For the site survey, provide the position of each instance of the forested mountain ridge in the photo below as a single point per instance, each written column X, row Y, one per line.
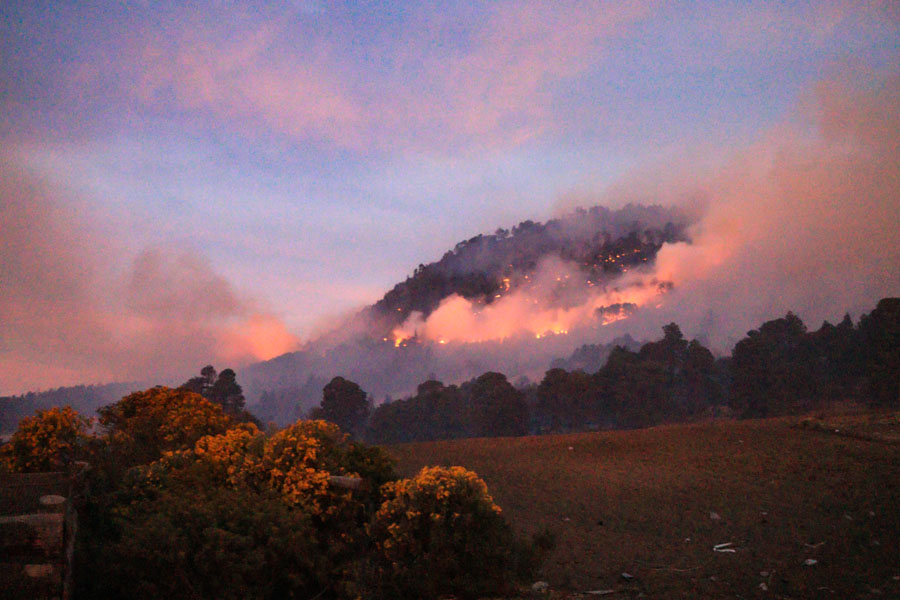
column 84, row 398
column 602, row 244
column 599, row 244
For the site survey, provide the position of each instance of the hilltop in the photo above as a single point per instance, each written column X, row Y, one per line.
column 600, row 243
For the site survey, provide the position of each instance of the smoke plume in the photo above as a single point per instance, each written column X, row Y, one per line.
column 797, row 221
column 72, row 312
column 803, row 219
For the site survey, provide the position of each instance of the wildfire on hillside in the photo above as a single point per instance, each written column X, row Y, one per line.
column 543, row 304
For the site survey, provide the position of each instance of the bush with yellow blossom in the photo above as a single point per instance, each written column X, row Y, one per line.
column 144, row 425
column 294, row 466
column 440, row 533
column 185, row 502
column 48, row 441
column 231, row 458
column 300, row 461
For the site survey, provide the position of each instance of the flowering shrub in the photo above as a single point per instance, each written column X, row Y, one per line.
column 47, row 441
column 296, row 466
column 298, row 462
column 232, row 457
column 194, row 504
column 144, row 425
column 440, row 533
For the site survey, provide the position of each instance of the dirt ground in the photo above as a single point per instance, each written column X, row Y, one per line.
column 778, row 508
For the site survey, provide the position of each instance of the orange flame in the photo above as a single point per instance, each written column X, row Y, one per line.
column 529, row 310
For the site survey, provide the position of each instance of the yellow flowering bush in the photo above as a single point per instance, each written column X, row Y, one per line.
column 48, row 441
column 142, row 426
column 203, row 495
column 229, row 447
column 231, row 458
column 299, row 461
column 440, row 533
column 289, row 517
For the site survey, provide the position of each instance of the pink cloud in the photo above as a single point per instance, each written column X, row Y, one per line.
column 499, row 90
column 495, row 88
column 248, row 77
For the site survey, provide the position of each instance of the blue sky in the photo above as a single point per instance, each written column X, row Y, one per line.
column 310, row 154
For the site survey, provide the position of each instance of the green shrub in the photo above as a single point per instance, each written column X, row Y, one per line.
column 204, row 543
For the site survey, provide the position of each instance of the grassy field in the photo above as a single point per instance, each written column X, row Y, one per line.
column 653, row 503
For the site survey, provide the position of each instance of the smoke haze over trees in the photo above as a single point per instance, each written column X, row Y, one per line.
column 533, row 283
column 778, row 369
column 804, row 219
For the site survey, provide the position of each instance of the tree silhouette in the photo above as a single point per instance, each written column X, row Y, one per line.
column 344, row 404
column 227, row 393
column 498, row 408
column 880, row 331
column 223, row 390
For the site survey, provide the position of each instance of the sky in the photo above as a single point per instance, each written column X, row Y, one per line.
column 182, row 184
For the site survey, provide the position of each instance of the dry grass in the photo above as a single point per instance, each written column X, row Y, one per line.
column 641, row 502
column 873, row 426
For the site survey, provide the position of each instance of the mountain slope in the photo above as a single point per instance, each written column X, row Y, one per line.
column 601, row 243
column 564, row 273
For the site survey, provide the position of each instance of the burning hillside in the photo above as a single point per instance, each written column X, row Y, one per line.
column 550, row 305
column 796, row 221
column 592, row 266
column 511, row 301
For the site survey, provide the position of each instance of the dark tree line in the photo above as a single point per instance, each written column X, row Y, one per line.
column 486, row 406
column 668, row 380
column 780, row 368
column 671, row 379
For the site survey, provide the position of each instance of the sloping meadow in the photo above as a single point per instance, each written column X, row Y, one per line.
column 710, row 510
